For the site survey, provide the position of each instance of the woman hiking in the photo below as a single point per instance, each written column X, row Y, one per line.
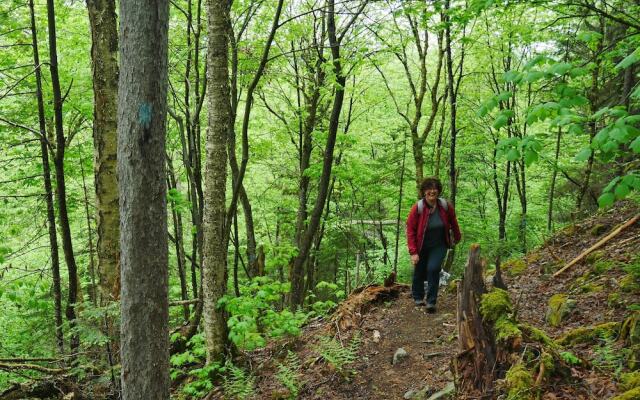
column 432, row 228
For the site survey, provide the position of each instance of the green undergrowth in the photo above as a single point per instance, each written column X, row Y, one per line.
column 258, row 314
column 255, row 317
column 339, row 355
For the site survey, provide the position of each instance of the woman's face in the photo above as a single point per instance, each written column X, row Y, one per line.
column 431, row 194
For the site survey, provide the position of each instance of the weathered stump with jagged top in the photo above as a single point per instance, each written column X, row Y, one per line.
column 475, row 365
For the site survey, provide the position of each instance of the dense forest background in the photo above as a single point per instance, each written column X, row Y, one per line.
column 527, row 112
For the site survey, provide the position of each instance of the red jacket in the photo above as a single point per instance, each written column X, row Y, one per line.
column 417, row 224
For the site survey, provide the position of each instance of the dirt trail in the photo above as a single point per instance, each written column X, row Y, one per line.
column 428, row 339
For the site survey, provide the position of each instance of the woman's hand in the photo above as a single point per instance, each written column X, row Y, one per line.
column 414, row 259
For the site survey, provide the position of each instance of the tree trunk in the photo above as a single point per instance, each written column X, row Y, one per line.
column 552, row 190
column 453, row 184
column 67, row 244
column 93, row 295
column 104, row 62
column 46, row 173
column 475, row 363
column 178, row 240
column 297, row 269
column 142, row 108
column 404, row 156
column 214, row 270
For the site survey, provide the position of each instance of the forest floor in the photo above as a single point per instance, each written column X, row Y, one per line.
column 351, row 354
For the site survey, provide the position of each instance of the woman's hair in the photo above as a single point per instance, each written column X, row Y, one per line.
column 430, row 183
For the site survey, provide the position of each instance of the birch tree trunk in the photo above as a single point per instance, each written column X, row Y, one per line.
column 214, row 269
column 142, row 107
column 104, row 62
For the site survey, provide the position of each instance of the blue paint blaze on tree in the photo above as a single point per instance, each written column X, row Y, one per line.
column 144, row 115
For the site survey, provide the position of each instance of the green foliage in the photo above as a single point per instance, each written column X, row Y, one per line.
column 337, row 355
column 252, row 316
column 201, row 381
column 289, row 374
column 608, row 356
column 238, row 384
column 570, row 358
column 633, row 268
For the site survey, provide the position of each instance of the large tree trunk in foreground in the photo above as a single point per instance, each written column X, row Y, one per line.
column 142, row 106
column 104, row 62
column 475, row 364
column 214, row 270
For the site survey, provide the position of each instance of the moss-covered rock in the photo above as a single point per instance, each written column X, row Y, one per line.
column 589, row 333
column 633, row 394
column 519, row 383
column 630, row 380
column 591, row 288
column 514, row 267
column 591, row 258
column 495, row 304
column 559, row 307
column 598, row 229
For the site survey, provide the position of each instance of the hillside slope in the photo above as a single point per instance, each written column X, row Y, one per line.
column 351, row 355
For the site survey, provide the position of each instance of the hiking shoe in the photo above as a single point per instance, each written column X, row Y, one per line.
column 420, row 303
column 431, row 308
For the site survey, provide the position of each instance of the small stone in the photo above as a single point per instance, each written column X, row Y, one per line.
column 448, row 375
column 444, row 392
column 409, row 394
column 399, row 355
column 376, row 336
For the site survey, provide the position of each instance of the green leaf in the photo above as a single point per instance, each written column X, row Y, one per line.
column 512, row 76
column 500, row 121
column 611, row 184
column 560, row 68
column 606, row 199
column 504, row 96
column 600, row 113
column 530, row 156
column 513, row 155
column 635, row 145
column 619, row 134
column 588, row 36
column 629, row 60
column 622, row 191
column 583, row 155
column 533, row 76
column 537, row 60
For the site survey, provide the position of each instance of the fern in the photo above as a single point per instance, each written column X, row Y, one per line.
column 608, row 357
column 337, row 355
column 237, row 383
column 289, row 375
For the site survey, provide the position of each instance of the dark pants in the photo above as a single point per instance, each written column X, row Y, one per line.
column 428, row 268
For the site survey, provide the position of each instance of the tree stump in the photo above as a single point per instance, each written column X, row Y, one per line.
column 475, row 365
